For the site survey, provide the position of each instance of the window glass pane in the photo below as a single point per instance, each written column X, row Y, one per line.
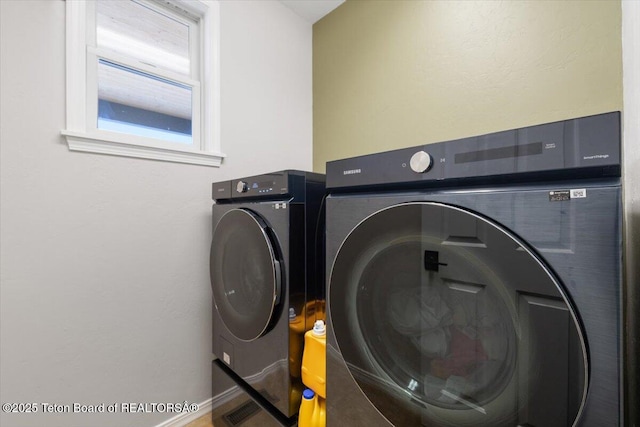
column 132, row 29
column 137, row 103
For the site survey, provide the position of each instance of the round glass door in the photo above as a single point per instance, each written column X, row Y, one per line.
column 245, row 274
column 441, row 309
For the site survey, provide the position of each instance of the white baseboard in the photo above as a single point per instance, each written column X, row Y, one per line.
column 182, row 420
column 204, row 408
column 225, row 396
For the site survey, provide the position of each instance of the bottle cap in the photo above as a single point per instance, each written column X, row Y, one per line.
column 319, row 328
column 308, row 393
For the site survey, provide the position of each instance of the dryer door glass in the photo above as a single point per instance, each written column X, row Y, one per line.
column 445, row 317
column 245, row 273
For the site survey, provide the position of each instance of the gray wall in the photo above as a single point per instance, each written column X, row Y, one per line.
column 104, row 293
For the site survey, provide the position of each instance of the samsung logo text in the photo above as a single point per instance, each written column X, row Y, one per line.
column 351, row 171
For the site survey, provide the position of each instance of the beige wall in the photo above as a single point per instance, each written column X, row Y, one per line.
column 391, row 74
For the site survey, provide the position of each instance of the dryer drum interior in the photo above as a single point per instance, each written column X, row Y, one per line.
column 246, row 267
column 450, row 313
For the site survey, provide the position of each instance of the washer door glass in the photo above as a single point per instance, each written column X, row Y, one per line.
column 440, row 312
column 245, row 273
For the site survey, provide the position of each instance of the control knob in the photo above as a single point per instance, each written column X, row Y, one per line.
column 242, row 187
column 421, row 162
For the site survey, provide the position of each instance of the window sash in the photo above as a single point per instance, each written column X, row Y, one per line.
column 93, row 57
column 139, row 44
column 94, row 54
column 82, row 96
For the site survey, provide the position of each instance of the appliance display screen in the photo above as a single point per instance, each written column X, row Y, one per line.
column 263, row 184
column 499, row 153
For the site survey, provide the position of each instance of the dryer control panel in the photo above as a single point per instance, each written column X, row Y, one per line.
column 276, row 186
column 583, row 147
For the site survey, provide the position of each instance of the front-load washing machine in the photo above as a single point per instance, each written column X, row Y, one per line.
column 477, row 282
column 267, row 278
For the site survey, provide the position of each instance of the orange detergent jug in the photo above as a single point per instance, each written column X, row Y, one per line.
column 320, row 415
column 307, row 406
column 299, row 323
column 314, row 362
column 312, row 410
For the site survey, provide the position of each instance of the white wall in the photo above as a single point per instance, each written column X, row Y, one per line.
column 266, row 87
column 104, row 293
column 631, row 134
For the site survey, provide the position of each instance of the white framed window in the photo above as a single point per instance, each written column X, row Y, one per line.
column 143, row 79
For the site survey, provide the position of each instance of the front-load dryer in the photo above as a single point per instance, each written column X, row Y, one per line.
column 477, row 282
column 267, row 274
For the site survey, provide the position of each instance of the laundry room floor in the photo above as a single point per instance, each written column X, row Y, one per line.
column 203, row 421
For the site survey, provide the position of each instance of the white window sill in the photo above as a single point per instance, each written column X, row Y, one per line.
column 79, row 141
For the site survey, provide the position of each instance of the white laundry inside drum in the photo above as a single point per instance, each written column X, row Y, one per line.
column 456, row 335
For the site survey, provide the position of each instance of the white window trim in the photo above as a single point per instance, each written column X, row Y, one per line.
column 80, row 137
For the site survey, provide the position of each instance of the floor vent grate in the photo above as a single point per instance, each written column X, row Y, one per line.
column 241, row 413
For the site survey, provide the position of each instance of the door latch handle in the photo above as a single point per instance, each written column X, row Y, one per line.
column 432, row 261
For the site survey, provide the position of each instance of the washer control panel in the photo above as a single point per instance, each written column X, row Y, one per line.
column 590, row 144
